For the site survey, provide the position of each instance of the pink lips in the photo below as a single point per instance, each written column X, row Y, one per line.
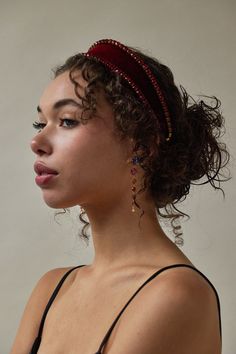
column 44, row 174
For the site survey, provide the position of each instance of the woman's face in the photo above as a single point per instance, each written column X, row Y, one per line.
column 90, row 160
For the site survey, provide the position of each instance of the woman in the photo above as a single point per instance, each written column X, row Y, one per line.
column 117, row 137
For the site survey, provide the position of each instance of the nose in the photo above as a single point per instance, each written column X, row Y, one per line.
column 40, row 146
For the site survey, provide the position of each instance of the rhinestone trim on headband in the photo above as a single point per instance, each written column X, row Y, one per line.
column 105, row 57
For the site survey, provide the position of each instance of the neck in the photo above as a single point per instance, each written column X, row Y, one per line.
column 120, row 240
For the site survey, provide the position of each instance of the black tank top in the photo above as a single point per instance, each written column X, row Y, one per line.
column 37, row 341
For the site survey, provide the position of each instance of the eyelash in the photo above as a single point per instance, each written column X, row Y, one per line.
column 39, row 126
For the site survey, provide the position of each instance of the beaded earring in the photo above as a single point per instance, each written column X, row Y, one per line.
column 136, row 160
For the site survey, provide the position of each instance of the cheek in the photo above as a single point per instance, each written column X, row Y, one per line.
column 91, row 158
column 91, row 169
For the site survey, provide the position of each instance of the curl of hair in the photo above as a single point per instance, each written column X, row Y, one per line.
column 194, row 151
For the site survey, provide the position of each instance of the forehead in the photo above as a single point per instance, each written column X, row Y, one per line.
column 60, row 88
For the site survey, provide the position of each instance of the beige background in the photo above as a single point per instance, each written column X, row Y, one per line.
column 197, row 40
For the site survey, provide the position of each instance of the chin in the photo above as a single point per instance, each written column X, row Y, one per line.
column 58, row 203
column 63, row 198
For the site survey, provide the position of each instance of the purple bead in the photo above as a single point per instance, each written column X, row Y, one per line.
column 136, row 160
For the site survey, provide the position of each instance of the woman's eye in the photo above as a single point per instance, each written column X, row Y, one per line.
column 69, row 122
column 65, row 122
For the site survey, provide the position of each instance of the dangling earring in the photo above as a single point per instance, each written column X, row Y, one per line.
column 135, row 161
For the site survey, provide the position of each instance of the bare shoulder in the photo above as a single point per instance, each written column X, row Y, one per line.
column 29, row 324
column 175, row 313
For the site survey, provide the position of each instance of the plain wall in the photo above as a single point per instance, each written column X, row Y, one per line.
column 196, row 39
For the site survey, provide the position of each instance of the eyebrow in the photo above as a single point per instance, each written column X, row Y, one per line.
column 61, row 103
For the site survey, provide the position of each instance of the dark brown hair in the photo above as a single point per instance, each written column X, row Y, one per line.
column 194, row 151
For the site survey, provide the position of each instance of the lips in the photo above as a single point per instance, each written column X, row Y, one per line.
column 41, row 169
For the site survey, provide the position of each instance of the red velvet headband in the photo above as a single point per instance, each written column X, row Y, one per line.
column 122, row 60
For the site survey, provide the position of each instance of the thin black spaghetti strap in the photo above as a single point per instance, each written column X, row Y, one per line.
column 37, row 341
column 148, row 280
column 54, row 294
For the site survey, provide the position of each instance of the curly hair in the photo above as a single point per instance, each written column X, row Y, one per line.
column 194, row 151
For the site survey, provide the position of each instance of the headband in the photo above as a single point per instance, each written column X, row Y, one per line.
column 131, row 67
